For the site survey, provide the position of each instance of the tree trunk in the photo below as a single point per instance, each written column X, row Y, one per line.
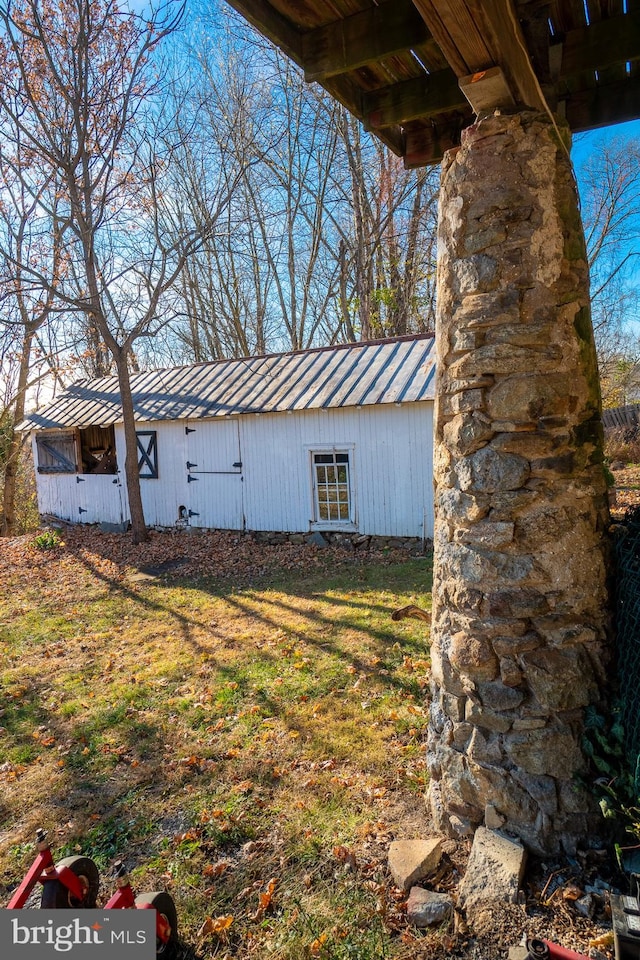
column 15, row 442
column 131, row 472
column 520, row 621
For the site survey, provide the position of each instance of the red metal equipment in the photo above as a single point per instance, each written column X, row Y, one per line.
column 73, row 882
column 166, row 917
column 545, row 950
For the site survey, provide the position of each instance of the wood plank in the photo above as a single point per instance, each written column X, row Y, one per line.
column 601, row 45
column 458, row 34
column 361, row 39
column 507, row 44
column 412, row 100
column 272, row 25
column 481, row 35
column 601, row 106
column 568, row 15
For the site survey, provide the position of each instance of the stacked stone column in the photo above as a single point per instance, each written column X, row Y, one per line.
column 519, row 633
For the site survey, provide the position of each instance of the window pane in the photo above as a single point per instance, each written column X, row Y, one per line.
column 332, row 486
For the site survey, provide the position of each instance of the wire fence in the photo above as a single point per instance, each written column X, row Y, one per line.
column 627, row 550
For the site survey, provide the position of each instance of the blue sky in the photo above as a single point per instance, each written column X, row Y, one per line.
column 585, row 143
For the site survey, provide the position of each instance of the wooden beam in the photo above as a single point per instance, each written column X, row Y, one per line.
column 477, row 34
column 363, row 38
column 272, row 25
column 601, row 45
column 427, row 145
column 601, row 106
column 509, row 49
column 414, row 99
column 487, row 90
column 458, row 33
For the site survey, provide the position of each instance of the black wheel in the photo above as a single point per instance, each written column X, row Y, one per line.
column 55, row 896
column 163, row 903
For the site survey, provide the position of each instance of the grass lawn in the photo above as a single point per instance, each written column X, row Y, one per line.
column 251, row 749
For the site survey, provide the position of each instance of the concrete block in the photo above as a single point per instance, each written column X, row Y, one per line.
column 412, row 860
column 494, row 871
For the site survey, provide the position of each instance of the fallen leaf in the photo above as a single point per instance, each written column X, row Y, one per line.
column 264, row 900
column 216, row 869
column 215, row 925
column 317, row 945
column 572, row 892
column 606, row 940
column 345, row 855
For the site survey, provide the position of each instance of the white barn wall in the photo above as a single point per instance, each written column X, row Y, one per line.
column 392, row 466
column 161, row 497
column 390, row 449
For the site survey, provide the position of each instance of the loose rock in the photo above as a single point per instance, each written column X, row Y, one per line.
column 412, row 860
column 426, row 908
column 494, row 871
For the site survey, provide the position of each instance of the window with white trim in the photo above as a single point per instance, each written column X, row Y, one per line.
column 332, row 486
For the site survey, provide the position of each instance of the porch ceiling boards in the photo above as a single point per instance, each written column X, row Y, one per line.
column 401, row 66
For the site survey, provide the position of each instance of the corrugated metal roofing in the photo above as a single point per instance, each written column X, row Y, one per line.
column 399, row 370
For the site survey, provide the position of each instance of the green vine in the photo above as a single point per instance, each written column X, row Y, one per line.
column 615, row 782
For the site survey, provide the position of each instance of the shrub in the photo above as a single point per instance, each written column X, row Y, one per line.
column 622, row 443
column 48, row 540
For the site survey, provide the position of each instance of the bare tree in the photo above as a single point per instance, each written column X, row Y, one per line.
column 387, row 250
column 269, row 278
column 327, row 237
column 77, row 77
column 610, row 191
column 28, row 236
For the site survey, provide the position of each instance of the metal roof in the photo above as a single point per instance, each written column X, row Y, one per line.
column 399, row 370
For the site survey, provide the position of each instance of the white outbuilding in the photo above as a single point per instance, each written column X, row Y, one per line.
column 336, row 439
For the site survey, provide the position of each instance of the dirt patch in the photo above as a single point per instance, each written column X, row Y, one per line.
column 175, row 555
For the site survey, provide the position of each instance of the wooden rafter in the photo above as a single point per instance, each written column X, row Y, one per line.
column 475, row 36
column 398, row 65
column 414, row 99
column 364, row 38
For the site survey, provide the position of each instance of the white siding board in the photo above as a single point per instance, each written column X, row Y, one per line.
column 214, row 484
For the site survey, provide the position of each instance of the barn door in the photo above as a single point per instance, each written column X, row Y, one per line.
column 214, row 474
